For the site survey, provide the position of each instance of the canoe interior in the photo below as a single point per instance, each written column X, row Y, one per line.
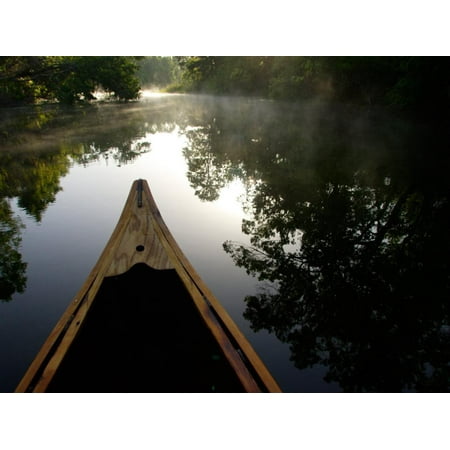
column 144, row 334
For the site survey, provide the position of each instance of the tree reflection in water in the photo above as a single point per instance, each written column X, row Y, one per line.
column 360, row 274
column 12, row 268
column 349, row 225
column 37, row 151
column 366, row 291
column 349, row 219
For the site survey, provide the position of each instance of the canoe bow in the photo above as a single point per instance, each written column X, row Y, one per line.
column 141, row 236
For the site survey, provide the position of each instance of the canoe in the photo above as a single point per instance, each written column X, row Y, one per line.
column 144, row 321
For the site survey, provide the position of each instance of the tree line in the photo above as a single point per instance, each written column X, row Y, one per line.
column 27, row 79
column 403, row 82
column 410, row 83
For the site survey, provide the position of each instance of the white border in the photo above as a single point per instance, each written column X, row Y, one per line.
column 165, row 28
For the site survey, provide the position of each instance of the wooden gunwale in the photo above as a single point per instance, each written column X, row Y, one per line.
column 213, row 302
column 142, row 226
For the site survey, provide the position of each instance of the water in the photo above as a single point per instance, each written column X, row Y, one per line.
column 348, row 287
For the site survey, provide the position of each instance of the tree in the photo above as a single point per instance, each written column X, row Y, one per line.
column 418, row 85
column 67, row 78
column 157, row 71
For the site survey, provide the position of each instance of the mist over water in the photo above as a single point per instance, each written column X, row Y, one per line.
column 322, row 228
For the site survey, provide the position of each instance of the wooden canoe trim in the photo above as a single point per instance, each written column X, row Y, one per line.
column 142, row 236
column 188, row 274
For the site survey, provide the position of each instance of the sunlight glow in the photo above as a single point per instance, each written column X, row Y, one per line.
column 148, row 93
column 230, row 198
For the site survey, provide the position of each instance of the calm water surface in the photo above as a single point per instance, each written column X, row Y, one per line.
column 322, row 229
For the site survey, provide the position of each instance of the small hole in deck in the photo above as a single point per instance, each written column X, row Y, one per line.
column 140, row 248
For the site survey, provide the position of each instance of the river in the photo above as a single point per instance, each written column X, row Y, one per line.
column 322, row 229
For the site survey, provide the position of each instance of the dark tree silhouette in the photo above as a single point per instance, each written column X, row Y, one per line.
column 12, row 268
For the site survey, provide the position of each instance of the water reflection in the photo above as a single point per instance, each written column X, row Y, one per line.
column 349, row 223
column 12, row 268
column 38, row 147
column 356, row 249
column 348, row 216
column 207, row 172
column 350, row 219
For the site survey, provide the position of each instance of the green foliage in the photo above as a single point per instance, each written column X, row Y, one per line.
column 407, row 83
column 226, row 74
column 16, row 78
column 422, row 82
column 158, row 71
column 297, row 77
column 66, row 78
